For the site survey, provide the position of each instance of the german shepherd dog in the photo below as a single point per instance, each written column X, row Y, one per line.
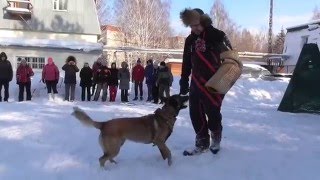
column 153, row 128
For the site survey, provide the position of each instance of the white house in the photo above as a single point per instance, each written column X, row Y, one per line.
column 38, row 29
column 296, row 37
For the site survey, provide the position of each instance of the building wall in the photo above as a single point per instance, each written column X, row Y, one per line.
column 175, row 68
column 294, row 42
column 80, row 18
column 59, row 55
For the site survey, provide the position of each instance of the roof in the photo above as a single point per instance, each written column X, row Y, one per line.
column 302, row 26
column 50, row 43
column 110, row 28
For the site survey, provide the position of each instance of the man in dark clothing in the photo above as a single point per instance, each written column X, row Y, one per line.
column 86, row 81
column 148, row 74
column 6, row 75
column 201, row 57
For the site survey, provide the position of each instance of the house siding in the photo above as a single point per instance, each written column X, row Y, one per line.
column 80, row 18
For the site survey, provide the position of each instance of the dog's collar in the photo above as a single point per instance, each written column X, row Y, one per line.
column 162, row 116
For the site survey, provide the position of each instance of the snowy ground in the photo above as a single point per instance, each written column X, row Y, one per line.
column 41, row 140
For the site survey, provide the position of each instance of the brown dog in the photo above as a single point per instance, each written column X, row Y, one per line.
column 153, row 128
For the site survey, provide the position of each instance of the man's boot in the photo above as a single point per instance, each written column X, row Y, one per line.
column 201, row 146
column 216, row 139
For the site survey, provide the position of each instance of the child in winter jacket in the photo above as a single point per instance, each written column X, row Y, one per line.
column 23, row 75
column 155, row 88
column 138, row 77
column 148, row 74
column 102, row 82
column 113, row 82
column 124, row 77
column 96, row 65
column 70, row 79
column 164, row 81
column 86, row 81
column 50, row 76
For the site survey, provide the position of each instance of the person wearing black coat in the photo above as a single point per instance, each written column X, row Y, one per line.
column 6, row 75
column 113, row 82
column 70, row 80
column 86, row 81
column 201, row 59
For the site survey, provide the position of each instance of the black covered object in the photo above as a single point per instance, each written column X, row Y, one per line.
column 303, row 92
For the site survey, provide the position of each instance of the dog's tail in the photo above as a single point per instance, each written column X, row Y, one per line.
column 85, row 119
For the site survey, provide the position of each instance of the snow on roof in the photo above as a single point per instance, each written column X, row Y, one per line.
column 304, row 25
column 18, row 10
column 51, row 43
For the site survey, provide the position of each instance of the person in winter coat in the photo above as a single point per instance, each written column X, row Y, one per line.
column 201, row 58
column 96, row 65
column 23, row 75
column 113, row 82
column 6, row 75
column 124, row 77
column 50, row 76
column 164, row 81
column 70, row 79
column 137, row 78
column 148, row 74
column 86, row 81
column 155, row 88
column 102, row 82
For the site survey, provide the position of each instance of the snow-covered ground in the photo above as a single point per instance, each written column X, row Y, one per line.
column 41, row 140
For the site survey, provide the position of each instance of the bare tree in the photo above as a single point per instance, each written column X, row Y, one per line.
column 144, row 22
column 241, row 39
column 222, row 21
column 316, row 13
column 104, row 10
column 279, row 42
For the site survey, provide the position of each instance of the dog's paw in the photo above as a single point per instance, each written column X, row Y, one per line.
column 169, row 161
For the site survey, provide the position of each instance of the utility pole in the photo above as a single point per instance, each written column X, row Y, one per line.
column 270, row 27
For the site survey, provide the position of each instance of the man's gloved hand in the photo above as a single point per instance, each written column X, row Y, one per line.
column 43, row 81
column 56, row 81
column 184, row 87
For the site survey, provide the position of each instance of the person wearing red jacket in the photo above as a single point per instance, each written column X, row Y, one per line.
column 23, row 74
column 50, row 76
column 137, row 78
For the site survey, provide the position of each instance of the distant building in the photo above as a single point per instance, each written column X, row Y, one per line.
column 296, row 37
column 38, row 29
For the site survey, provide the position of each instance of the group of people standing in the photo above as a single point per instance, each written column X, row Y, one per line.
column 113, row 78
column 95, row 81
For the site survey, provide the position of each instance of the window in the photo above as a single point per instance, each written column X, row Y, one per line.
column 34, row 62
column 60, row 5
